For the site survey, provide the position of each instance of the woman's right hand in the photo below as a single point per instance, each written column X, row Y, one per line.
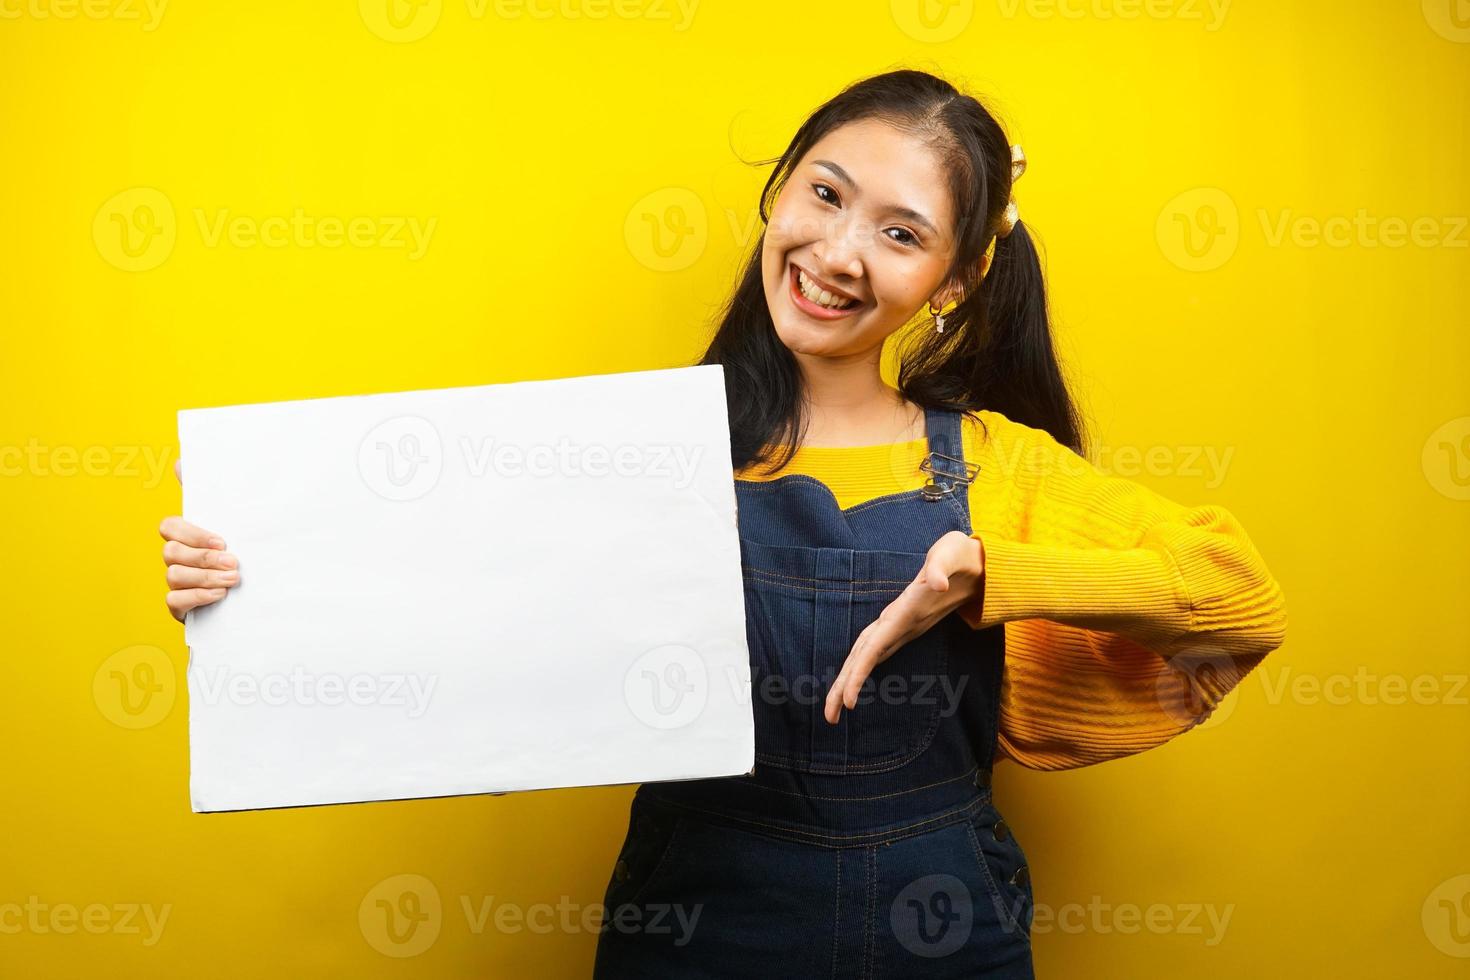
column 199, row 570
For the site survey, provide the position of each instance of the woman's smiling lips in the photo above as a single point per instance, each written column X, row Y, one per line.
column 814, row 310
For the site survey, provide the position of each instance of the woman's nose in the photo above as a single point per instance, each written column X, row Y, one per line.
column 838, row 254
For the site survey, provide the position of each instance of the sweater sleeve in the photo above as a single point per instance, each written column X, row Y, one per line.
column 1128, row 616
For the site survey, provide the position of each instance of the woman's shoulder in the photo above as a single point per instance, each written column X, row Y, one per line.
column 986, row 425
column 988, row 430
column 1015, row 452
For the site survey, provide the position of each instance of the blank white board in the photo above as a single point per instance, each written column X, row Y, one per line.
column 468, row 590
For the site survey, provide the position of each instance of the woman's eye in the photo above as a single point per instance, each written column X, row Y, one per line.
column 819, row 188
column 908, row 236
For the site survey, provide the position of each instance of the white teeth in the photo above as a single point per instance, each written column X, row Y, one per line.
column 818, row 295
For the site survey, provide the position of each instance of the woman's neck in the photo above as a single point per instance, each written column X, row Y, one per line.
column 851, row 405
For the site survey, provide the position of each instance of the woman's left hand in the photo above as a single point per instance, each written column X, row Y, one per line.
column 951, row 577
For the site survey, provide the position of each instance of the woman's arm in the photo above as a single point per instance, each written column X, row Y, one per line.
column 1128, row 617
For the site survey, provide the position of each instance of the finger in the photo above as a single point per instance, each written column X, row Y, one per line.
column 189, row 577
column 832, row 708
column 936, row 576
column 179, row 470
column 180, row 601
column 175, row 553
column 862, row 665
column 889, row 633
column 900, row 632
column 856, row 668
column 176, row 528
column 946, row 558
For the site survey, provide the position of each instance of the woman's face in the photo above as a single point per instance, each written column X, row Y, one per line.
column 865, row 215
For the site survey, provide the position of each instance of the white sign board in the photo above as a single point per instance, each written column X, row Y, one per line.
column 468, row 590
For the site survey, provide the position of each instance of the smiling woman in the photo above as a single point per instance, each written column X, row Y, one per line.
column 947, row 535
column 843, row 248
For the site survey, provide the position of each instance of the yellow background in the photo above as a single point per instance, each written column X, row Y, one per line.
column 1323, row 809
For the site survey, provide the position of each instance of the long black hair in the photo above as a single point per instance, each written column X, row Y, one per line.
column 996, row 351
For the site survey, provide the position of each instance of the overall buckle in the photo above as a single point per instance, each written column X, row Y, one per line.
column 947, row 479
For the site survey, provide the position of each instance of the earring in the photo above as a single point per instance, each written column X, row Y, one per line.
column 939, row 316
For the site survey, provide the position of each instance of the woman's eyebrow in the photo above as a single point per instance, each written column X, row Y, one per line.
column 897, row 209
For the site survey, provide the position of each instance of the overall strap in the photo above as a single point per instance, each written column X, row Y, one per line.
column 982, row 669
column 950, row 474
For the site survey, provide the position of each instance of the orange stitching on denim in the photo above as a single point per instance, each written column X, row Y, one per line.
column 872, row 899
column 878, row 765
column 805, row 588
column 759, row 578
column 886, row 498
column 805, row 578
column 772, row 484
column 837, row 915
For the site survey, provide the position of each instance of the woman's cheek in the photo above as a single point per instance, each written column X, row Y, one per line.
column 904, row 286
column 798, row 224
column 780, row 233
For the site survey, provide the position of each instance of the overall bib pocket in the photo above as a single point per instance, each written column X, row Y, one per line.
column 805, row 608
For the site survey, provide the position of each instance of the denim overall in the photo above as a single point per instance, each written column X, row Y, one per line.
column 866, row 849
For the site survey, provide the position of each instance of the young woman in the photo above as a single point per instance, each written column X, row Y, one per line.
column 936, row 578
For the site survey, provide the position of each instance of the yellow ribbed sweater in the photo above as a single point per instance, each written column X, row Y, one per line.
column 1128, row 617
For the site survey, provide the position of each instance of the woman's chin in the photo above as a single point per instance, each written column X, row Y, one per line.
column 824, row 339
column 811, row 340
